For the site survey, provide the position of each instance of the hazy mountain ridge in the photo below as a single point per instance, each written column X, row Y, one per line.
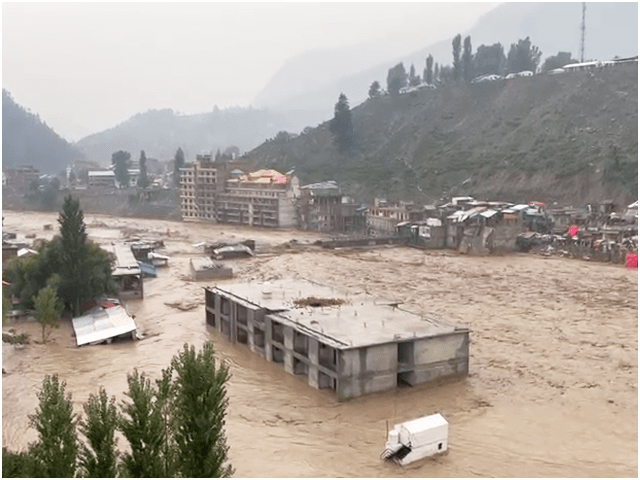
column 569, row 138
column 612, row 30
column 161, row 132
column 27, row 140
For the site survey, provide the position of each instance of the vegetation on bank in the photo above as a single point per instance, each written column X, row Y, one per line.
column 174, row 428
column 67, row 272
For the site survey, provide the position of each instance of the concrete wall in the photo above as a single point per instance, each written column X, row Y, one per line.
column 441, row 356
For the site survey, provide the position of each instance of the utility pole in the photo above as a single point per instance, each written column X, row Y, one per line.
column 584, row 9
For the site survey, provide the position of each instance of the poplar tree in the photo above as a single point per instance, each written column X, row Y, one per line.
column 178, row 163
column 146, row 428
column 467, row 57
column 120, row 161
column 457, row 64
column 428, row 71
column 56, row 450
column 200, row 406
column 143, row 181
column 98, row 459
column 73, row 254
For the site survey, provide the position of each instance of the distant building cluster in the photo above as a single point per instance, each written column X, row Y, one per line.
column 228, row 192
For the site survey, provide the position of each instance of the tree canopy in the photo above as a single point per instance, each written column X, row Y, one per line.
column 396, row 79
column 457, row 62
column 121, row 160
column 143, row 180
column 523, row 56
column 374, row 89
column 178, row 163
column 489, row 59
column 428, row 71
column 467, row 58
column 557, row 61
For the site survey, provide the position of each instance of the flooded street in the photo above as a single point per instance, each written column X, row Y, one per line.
column 552, row 390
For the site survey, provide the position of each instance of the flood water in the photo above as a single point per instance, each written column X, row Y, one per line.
column 552, row 390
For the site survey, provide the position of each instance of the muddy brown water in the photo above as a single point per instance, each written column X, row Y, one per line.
column 552, row 390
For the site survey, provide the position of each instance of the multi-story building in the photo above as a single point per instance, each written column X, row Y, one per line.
column 383, row 217
column 322, row 207
column 351, row 344
column 265, row 198
column 221, row 191
column 19, row 179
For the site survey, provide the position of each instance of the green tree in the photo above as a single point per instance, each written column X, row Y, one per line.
column 396, row 79
column 341, row 125
column 120, row 160
column 57, row 446
column 436, row 72
column 428, row 71
column 21, row 464
column 98, row 458
column 457, row 63
column 73, row 254
column 467, row 59
column 414, row 80
column 143, row 181
column 146, row 426
column 489, row 60
column 374, row 90
column 523, row 56
column 178, row 163
column 5, row 303
column 557, row 61
column 200, row 406
column 47, row 310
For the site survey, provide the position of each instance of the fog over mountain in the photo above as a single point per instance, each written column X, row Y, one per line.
column 611, row 30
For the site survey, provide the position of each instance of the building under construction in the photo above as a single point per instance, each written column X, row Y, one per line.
column 351, row 344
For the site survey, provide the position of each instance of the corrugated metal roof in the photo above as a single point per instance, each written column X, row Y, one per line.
column 488, row 213
column 102, row 325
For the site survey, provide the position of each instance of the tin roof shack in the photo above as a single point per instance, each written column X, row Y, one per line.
column 383, row 217
column 103, row 325
column 429, row 233
column 126, row 273
column 203, row 268
column 352, row 345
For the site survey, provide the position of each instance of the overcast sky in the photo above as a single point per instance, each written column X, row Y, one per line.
column 84, row 67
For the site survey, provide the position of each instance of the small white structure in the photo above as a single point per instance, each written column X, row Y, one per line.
column 416, row 439
column 104, row 324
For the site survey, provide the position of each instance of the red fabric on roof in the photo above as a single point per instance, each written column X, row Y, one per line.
column 631, row 261
column 573, row 231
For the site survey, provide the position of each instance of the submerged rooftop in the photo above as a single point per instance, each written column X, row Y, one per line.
column 360, row 320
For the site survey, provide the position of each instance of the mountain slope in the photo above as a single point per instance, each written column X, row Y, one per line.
column 161, row 132
column 569, row 138
column 26, row 140
column 612, row 30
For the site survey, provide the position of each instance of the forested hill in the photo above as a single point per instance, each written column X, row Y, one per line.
column 570, row 138
column 26, row 140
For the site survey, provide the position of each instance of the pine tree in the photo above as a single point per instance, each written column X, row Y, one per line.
column 199, row 411
column 178, row 163
column 98, row 459
column 57, row 447
column 341, row 125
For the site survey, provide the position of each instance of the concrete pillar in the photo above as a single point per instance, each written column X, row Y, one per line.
column 313, row 362
column 288, row 349
column 268, row 353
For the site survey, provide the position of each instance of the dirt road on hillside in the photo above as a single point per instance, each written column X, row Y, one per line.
column 552, row 390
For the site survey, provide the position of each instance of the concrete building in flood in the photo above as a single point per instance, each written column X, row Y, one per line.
column 351, row 344
column 323, row 207
column 265, row 198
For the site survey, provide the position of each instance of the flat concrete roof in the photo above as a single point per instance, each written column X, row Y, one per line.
column 126, row 263
column 360, row 321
